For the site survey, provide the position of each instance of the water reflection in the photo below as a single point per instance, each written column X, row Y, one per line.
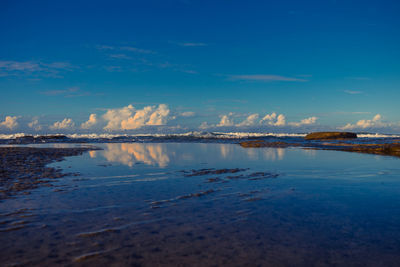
column 310, row 152
column 273, row 154
column 129, row 154
column 93, row 154
column 226, row 150
column 343, row 206
column 164, row 154
column 269, row 154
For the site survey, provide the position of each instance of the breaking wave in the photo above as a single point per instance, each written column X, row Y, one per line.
column 182, row 137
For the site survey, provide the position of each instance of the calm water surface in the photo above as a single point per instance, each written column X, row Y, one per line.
column 139, row 204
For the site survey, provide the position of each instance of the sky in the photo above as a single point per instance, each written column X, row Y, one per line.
column 193, row 65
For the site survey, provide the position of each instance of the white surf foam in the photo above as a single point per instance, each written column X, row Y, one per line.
column 202, row 135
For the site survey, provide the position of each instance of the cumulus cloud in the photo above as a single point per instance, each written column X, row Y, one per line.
column 89, row 123
column 34, row 124
column 363, row 124
column 249, row 121
column 64, row 124
column 159, row 116
column 308, row 121
column 274, row 119
column 114, row 117
column 226, row 120
column 281, row 120
column 204, row 125
column 147, row 116
column 10, row 122
column 128, row 118
column 138, row 119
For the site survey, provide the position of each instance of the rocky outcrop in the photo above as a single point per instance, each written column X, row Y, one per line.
column 389, row 149
column 261, row 143
column 330, row 135
column 24, row 168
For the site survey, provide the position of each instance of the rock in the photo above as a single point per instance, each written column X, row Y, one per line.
column 46, row 138
column 27, row 139
column 24, row 168
column 379, row 149
column 330, row 135
column 261, row 143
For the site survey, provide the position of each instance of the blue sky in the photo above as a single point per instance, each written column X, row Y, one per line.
column 176, row 66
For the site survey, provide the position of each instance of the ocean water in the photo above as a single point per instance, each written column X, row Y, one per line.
column 208, row 204
column 203, row 137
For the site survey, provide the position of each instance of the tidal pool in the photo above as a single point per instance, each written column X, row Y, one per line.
column 193, row 204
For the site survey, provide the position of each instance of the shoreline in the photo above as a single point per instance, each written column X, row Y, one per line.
column 385, row 149
column 24, row 168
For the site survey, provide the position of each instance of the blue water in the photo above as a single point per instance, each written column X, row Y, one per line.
column 138, row 204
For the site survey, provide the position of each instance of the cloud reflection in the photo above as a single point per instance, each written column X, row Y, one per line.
column 226, row 150
column 274, row 154
column 129, row 154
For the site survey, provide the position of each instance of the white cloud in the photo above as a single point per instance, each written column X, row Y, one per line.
column 9, row 67
column 265, row 78
column 360, row 78
column 34, row 124
column 19, row 66
column 274, row 119
column 119, row 56
column 187, row 114
column 64, row 124
column 69, row 92
column 138, row 119
column 159, row 116
column 105, row 47
column 89, row 123
column 363, row 124
column 116, row 116
column 269, row 118
column 204, row 125
column 350, row 92
column 124, row 48
column 226, row 120
column 136, row 50
column 308, row 121
column 128, row 118
column 281, row 120
column 249, row 121
column 192, row 44
column 10, row 122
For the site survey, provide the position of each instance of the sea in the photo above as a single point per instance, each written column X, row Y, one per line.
column 200, row 199
column 193, row 136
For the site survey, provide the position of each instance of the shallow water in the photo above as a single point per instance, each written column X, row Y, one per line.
column 142, row 204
